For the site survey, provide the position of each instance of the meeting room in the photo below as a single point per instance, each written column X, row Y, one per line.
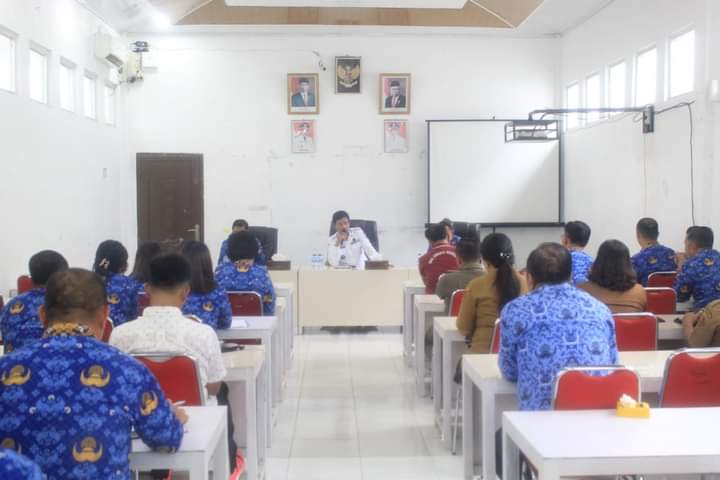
column 359, row 239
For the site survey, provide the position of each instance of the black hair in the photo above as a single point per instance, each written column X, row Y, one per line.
column 242, row 246
column 448, row 223
column 169, row 271
column 612, row 268
column 435, row 232
column 43, row 264
column 240, row 223
column 111, row 257
column 648, row 228
column 468, row 249
column 339, row 215
column 73, row 291
column 702, row 237
column 577, row 232
column 198, row 255
column 303, row 80
column 145, row 253
column 497, row 250
column 550, row 263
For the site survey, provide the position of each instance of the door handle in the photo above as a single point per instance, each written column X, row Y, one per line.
column 196, row 231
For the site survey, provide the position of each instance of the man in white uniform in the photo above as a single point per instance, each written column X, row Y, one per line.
column 349, row 247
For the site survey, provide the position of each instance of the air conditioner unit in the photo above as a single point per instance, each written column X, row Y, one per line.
column 111, row 49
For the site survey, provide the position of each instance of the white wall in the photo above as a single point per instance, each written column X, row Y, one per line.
column 223, row 95
column 53, row 188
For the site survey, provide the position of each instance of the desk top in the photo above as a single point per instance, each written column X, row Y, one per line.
column 414, row 284
column 252, row 356
column 428, row 299
column 200, row 429
column 244, row 325
column 669, row 432
column 283, row 286
column 447, row 326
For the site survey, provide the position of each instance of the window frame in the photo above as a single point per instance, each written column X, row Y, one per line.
column 112, row 88
column 72, row 67
column 626, row 77
column 594, row 117
column 575, row 123
column 88, row 75
column 44, row 52
column 636, row 62
column 670, row 40
column 13, row 38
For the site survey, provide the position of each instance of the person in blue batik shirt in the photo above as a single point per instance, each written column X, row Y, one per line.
column 207, row 300
column 69, row 401
column 19, row 321
column 554, row 326
column 243, row 274
column 652, row 257
column 14, row 466
column 111, row 262
column 698, row 270
column 241, row 226
column 575, row 238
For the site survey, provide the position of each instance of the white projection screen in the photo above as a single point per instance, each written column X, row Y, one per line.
column 474, row 176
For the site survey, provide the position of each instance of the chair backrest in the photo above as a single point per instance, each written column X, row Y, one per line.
column 178, row 375
column 245, row 304
column 577, row 389
column 24, row 283
column 107, row 330
column 455, row 302
column 662, row 279
column 465, row 229
column 367, row 226
column 268, row 237
column 496, row 337
column 692, row 378
column 636, row 332
column 661, row 300
column 143, row 302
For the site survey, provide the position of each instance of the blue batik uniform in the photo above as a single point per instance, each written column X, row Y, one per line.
column 254, row 278
column 655, row 258
column 699, row 278
column 69, row 401
column 260, row 258
column 122, row 297
column 581, row 265
column 552, row 327
column 212, row 308
column 19, row 321
column 14, row 466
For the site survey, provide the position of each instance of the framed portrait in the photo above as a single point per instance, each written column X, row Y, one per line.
column 303, row 136
column 396, row 136
column 303, row 91
column 347, row 74
column 394, row 93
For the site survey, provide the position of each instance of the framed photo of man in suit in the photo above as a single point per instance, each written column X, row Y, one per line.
column 347, row 74
column 303, row 91
column 394, row 93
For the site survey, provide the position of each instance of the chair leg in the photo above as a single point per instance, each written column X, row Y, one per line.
column 456, row 419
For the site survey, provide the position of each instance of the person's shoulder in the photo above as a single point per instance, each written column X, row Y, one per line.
column 587, row 300
column 357, row 231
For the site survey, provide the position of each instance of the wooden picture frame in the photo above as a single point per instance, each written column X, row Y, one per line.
column 348, row 75
column 395, row 93
column 303, row 93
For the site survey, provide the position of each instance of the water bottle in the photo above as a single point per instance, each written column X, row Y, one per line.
column 314, row 261
column 321, row 261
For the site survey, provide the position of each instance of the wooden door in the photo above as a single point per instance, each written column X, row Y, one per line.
column 170, row 197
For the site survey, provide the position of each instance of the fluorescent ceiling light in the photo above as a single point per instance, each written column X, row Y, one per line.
column 349, row 3
column 160, row 20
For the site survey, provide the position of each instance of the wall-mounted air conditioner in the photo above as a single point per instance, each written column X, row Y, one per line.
column 111, row 49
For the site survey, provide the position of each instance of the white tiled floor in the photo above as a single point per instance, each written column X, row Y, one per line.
column 351, row 413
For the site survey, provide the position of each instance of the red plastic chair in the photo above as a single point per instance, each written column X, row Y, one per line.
column 245, row 304
column 455, row 302
column 178, row 375
column 690, row 380
column 143, row 302
column 24, row 283
column 661, row 300
column 636, row 332
column 495, row 339
column 576, row 389
column 107, row 330
column 662, row 279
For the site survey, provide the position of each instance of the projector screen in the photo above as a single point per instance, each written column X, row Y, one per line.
column 474, row 176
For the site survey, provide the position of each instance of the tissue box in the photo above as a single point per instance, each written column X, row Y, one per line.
column 641, row 410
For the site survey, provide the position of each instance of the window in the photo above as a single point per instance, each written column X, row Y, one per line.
column 617, row 85
column 646, row 78
column 7, row 61
column 89, row 106
column 592, row 96
column 572, row 100
column 682, row 63
column 109, row 96
column 37, row 75
column 67, row 85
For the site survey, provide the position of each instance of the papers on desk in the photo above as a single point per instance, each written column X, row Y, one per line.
column 239, row 323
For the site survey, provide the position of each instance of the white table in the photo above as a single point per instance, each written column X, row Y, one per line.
column 668, row 328
column 483, row 387
column 246, row 378
column 410, row 289
column 426, row 307
column 286, row 298
column 448, row 346
column 282, row 281
column 598, row 442
column 204, row 447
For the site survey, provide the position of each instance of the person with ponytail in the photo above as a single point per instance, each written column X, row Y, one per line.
column 111, row 263
column 207, row 300
column 485, row 296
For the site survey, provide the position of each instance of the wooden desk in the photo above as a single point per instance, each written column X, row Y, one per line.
column 448, row 346
column 426, row 307
column 204, row 447
column 410, row 289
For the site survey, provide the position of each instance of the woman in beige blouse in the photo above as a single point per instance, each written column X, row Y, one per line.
column 485, row 296
column 612, row 280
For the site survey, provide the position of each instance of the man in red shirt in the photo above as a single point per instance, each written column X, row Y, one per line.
column 439, row 259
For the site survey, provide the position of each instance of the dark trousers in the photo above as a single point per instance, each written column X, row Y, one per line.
column 222, row 399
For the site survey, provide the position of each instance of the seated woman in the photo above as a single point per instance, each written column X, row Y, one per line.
column 612, row 280
column 111, row 263
column 487, row 295
column 207, row 300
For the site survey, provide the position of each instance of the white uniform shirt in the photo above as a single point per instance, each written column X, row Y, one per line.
column 353, row 252
column 166, row 330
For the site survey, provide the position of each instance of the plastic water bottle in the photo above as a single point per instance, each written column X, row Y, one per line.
column 315, row 261
column 321, row 261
